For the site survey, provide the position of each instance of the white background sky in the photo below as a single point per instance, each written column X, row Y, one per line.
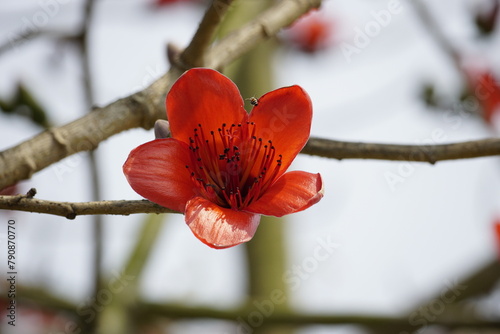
column 396, row 245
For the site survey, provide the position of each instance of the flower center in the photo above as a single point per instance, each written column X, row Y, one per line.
column 231, row 166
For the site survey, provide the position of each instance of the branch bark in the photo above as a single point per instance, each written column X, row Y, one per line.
column 194, row 54
column 145, row 311
column 267, row 25
column 141, row 109
column 72, row 209
column 316, row 146
column 424, row 153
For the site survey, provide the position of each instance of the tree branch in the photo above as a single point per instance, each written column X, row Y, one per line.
column 72, row 209
column 194, row 54
column 267, row 25
column 242, row 317
column 424, row 153
column 16, row 41
column 315, row 146
column 429, row 23
column 141, row 109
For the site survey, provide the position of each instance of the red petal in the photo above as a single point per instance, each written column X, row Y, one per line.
column 497, row 234
column 203, row 96
column 157, row 171
column 294, row 191
column 284, row 116
column 220, row 227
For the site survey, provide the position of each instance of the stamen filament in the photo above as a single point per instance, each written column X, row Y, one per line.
column 222, row 166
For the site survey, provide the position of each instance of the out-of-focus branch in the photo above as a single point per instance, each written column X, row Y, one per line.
column 267, row 25
column 16, row 41
column 194, row 54
column 97, row 230
column 116, row 316
column 435, row 31
column 141, row 109
column 478, row 284
column 424, row 153
column 242, row 317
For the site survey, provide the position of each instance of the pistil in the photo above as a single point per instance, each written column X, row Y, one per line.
column 231, row 166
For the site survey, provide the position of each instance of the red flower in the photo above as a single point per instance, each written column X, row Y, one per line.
column 497, row 235
column 222, row 167
column 487, row 91
column 311, row 33
column 9, row 190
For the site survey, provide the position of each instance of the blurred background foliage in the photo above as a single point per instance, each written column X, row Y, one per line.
column 116, row 304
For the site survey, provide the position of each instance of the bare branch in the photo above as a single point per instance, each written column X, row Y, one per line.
column 16, row 41
column 72, row 209
column 84, row 134
column 463, row 318
column 429, row 23
column 194, row 54
column 382, row 324
column 424, row 153
column 316, row 146
column 141, row 109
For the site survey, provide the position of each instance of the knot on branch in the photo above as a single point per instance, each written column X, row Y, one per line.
column 176, row 60
column 145, row 106
column 31, row 193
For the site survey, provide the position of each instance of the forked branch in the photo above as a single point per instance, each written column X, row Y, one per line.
column 141, row 109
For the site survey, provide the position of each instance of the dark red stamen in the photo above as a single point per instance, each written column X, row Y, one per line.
column 231, row 166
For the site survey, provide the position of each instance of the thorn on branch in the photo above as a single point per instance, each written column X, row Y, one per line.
column 31, row 193
column 72, row 214
column 174, row 57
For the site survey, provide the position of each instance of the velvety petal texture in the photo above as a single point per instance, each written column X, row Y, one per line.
column 220, row 227
column 293, row 192
column 203, row 96
column 284, row 116
column 222, row 167
column 157, row 171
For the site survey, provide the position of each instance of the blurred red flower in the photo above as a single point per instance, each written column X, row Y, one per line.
column 312, row 32
column 497, row 235
column 223, row 168
column 9, row 190
column 487, row 91
column 486, row 17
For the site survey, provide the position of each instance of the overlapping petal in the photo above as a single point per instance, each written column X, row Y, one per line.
column 220, row 227
column 198, row 177
column 157, row 171
column 292, row 192
column 203, row 96
column 284, row 116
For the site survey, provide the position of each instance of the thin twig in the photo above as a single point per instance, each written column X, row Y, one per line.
column 424, row 153
column 429, row 23
column 17, row 40
column 141, row 109
column 194, row 54
column 72, row 209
